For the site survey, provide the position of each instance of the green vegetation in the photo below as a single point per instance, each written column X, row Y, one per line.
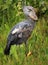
column 10, row 14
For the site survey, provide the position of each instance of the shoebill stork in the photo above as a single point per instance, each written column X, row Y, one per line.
column 22, row 31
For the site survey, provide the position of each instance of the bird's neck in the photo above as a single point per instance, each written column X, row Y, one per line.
column 30, row 20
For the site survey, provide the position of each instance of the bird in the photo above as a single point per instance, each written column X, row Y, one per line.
column 21, row 32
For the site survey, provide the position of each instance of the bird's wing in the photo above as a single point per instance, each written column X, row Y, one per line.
column 16, row 30
column 22, row 28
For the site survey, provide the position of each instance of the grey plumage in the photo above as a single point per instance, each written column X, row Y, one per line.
column 23, row 34
column 21, row 31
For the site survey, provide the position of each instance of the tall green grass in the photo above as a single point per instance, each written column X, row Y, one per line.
column 11, row 14
column 37, row 44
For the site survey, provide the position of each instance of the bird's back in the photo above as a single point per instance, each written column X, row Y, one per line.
column 24, row 24
column 22, row 30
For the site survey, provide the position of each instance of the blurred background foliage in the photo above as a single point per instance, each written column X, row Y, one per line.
column 10, row 14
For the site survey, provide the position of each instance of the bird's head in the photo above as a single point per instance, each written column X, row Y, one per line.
column 29, row 11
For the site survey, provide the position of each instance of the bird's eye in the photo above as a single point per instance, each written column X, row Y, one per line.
column 30, row 10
